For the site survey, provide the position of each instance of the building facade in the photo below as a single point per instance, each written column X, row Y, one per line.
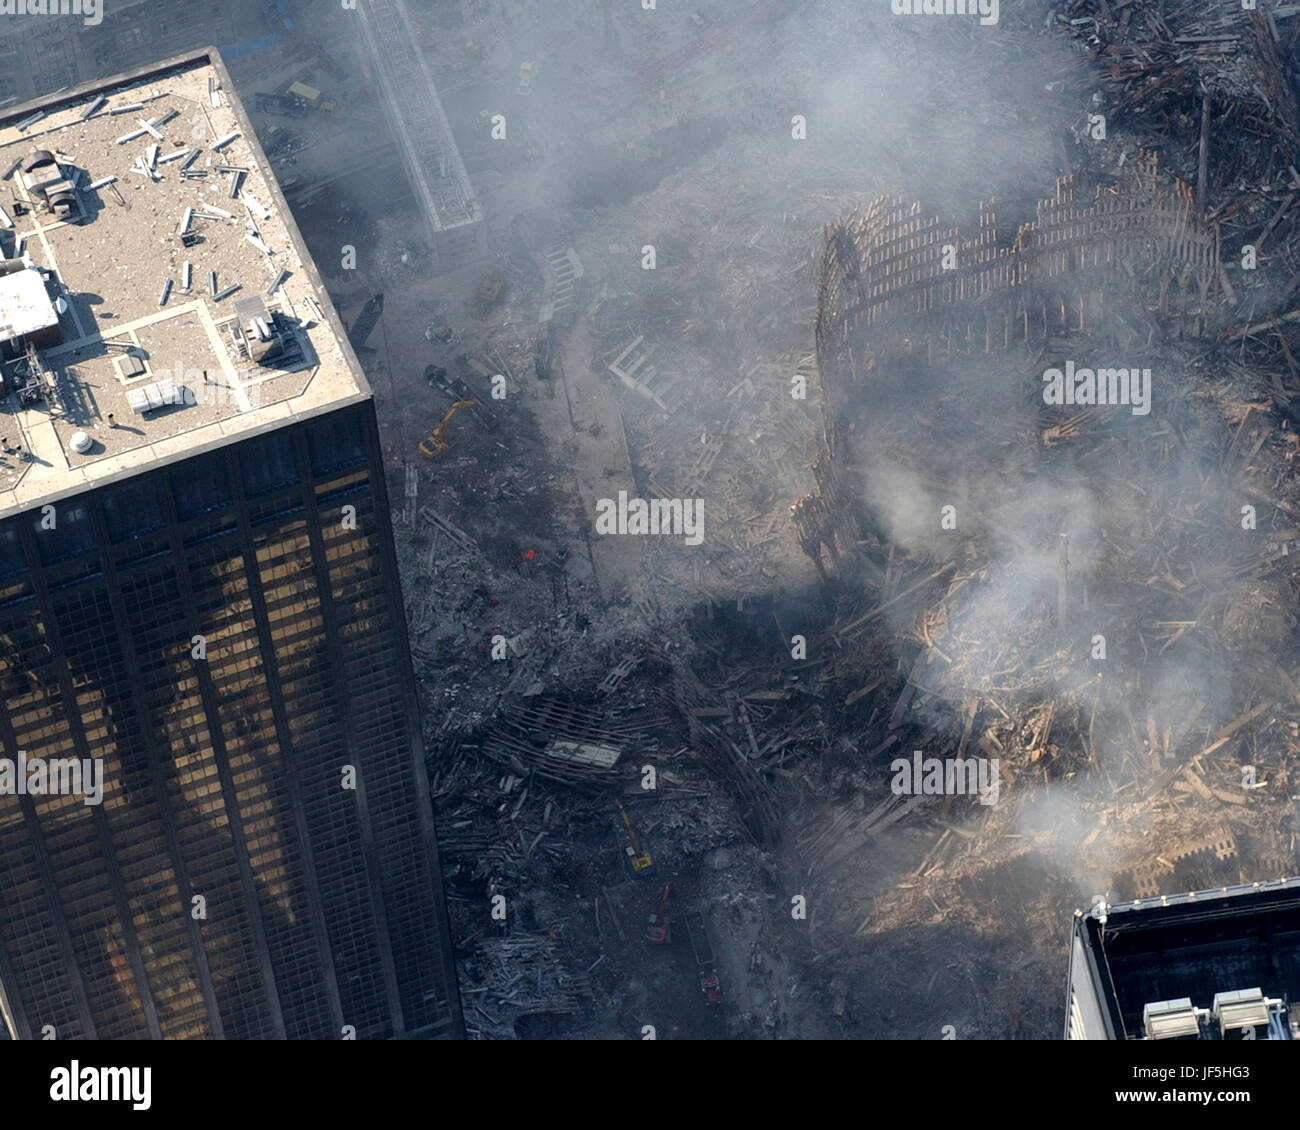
column 45, row 52
column 226, row 636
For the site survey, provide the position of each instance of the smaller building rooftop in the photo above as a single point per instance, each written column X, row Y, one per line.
column 1201, row 965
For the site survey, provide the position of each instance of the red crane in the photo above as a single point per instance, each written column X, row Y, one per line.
column 657, row 931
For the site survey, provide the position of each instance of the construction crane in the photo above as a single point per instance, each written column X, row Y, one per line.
column 657, row 931
column 435, row 445
column 640, row 860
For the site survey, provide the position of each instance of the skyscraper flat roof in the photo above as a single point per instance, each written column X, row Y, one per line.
column 118, row 255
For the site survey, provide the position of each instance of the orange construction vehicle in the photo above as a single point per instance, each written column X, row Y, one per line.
column 657, row 931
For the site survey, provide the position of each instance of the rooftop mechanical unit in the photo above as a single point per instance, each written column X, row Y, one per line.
column 159, row 394
column 46, row 183
column 1171, row 1020
column 1242, row 1009
column 265, row 337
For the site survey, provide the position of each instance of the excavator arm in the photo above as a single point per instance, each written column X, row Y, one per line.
column 640, row 860
column 436, row 444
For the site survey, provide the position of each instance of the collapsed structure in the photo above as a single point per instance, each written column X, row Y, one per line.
column 1085, row 574
column 954, row 621
column 453, row 218
column 902, row 300
column 1121, row 678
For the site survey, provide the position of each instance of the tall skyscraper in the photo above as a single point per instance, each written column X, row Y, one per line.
column 214, row 814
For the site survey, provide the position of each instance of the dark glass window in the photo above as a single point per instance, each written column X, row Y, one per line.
column 133, row 510
column 62, row 531
column 218, row 771
column 268, row 464
column 12, row 559
column 336, row 443
column 201, row 486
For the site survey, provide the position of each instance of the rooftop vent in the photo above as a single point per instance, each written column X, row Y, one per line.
column 264, row 337
column 61, row 197
column 80, row 442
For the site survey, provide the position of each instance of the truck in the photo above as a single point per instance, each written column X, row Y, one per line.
column 702, row 948
column 308, row 94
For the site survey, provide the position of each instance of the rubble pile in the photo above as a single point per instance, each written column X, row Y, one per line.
column 827, row 397
column 1110, row 621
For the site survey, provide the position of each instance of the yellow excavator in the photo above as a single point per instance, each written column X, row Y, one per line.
column 640, row 860
column 435, row 445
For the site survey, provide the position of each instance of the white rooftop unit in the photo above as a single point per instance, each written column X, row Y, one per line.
column 157, row 395
column 1244, row 1008
column 1170, row 1020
